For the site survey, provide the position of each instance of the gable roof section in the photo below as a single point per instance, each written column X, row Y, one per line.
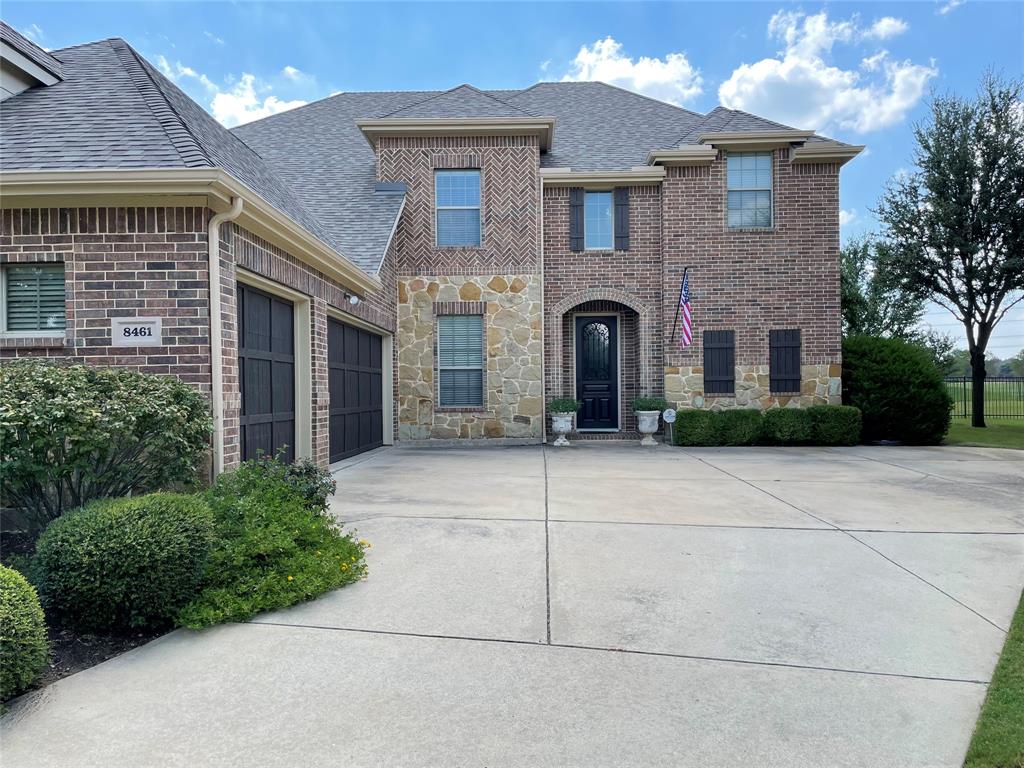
column 30, row 50
column 723, row 120
column 114, row 110
column 463, row 101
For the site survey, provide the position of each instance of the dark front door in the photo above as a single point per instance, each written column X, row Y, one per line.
column 355, row 371
column 597, row 372
column 266, row 372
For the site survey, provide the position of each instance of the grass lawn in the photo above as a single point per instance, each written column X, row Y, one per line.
column 999, row 735
column 1000, row 433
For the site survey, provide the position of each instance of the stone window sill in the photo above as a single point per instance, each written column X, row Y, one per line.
column 31, row 342
column 751, row 229
column 469, row 409
column 792, row 393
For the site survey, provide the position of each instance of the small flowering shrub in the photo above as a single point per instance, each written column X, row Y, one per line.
column 73, row 433
column 313, row 483
column 122, row 564
column 274, row 545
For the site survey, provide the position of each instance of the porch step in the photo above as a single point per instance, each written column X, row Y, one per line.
column 627, row 434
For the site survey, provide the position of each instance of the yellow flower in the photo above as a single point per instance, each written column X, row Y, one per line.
column 353, row 558
column 318, row 551
column 344, row 566
column 291, row 578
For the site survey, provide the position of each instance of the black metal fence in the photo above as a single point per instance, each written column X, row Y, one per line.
column 1004, row 396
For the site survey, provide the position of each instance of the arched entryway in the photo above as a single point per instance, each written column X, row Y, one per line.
column 601, row 354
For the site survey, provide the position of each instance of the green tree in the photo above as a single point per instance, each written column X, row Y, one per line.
column 953, row 227
column 1017, row 364
column 873, row 304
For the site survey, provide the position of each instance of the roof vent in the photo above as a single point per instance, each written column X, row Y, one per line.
column 23, row 64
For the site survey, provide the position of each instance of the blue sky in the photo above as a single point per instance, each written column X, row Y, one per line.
column 859, row 72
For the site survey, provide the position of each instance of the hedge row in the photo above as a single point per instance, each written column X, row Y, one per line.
column 818, row 425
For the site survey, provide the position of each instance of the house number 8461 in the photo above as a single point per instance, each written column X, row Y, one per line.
column 136, row 331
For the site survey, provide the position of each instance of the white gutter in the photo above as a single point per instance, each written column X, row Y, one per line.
column 216, row 360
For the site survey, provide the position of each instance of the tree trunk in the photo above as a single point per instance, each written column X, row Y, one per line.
column 977, row 388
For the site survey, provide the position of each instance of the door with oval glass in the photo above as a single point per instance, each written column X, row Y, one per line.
column 597, row 371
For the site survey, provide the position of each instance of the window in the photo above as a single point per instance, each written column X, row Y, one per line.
column 784, row 360
column 457, row 196
column 460, row 361
column 750, row 189
column 719, row 362
column 597, row 221
column 32, row 299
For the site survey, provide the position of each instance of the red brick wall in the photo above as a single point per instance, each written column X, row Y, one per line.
column 120, row 262
column 510, row 203
column 753, row 280
column 636, row 274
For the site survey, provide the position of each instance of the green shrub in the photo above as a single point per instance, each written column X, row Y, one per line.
column 734, row 427
column 73, row 433
column 564, row 405
column 898, row 389
column 786, row 426
column 313, row 483
column 122, row 564
column 834, row 424
column 650, row 404
column 272, row 548
column 24, row 648
column 694, row 427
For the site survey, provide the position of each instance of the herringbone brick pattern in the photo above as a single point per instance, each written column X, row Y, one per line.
column 509, row 208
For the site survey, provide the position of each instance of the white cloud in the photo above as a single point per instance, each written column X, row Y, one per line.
column 213, row 38
column 33, row 32
column 847, row 217
column 242, row 104
column 247, row 99
column 949, row 6
column 802, row 88
column 671, row 79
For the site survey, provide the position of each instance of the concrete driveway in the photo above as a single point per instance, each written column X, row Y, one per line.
column 600, row 605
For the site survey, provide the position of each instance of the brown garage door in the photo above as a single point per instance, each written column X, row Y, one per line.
column 354, row 362
column 266, row 372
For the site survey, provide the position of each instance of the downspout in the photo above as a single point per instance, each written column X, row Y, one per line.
column 216, row 351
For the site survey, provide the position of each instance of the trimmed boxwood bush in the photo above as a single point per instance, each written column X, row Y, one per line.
column 898, row 389
column 73, row 433
column 273, row 546
column 649, row 404
column 24, row 648
column 786, row 426
column 819, row 425
column 834, row 424
column 117, row 565
column 564, row 405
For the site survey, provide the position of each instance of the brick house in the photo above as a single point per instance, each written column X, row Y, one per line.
column 413, row 266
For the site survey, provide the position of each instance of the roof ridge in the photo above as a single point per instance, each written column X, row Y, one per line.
column 439, row 94
column 186, row 144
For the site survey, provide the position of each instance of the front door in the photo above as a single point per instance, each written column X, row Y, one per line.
column 597, row 372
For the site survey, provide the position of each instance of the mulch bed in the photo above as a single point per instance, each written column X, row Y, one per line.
column 70, row 651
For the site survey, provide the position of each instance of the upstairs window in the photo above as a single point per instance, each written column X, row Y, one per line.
column 597, row 221
column 32, row 299
column 460, row 361
column 457, row 198
column 749, row 189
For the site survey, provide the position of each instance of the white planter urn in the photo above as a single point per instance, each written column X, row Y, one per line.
column 647, row 423
column 561, row 425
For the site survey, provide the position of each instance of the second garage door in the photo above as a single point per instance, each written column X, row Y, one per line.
column 355, row 368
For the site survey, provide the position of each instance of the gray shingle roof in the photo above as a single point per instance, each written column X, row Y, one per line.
column 30, row 50
column 461, row 101
column 722, row 120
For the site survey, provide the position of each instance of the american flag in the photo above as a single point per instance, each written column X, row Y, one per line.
column 684, row 309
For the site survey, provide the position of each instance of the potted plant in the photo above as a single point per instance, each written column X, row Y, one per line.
column 648, row 409
column 562, row 409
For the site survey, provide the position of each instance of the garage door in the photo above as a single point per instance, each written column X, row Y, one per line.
column 266, row 372
column 354, row 362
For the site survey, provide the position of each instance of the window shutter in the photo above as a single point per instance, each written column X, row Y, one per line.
column 576, row 218
column 622, row 218
column 719, row 362
column 784, row 360
column 35, row 297
column 460, row 360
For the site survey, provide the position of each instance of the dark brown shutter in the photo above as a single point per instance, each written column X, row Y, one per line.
column 784, row 360
column 622, row 218
column 719, row 362
column 576, row 218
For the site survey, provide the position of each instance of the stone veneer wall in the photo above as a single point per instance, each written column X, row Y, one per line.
column 514, row 398
column 821, row 385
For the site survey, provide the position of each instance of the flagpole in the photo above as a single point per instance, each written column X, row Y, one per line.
column 679, row 303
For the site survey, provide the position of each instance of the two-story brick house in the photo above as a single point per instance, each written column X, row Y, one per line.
column 414, row 265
